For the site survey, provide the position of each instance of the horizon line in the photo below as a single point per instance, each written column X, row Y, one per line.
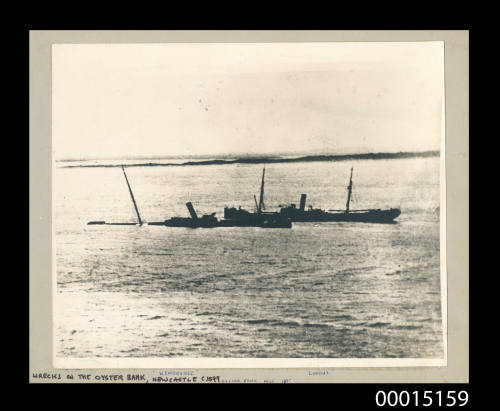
column 226, row 155
column 256, row 159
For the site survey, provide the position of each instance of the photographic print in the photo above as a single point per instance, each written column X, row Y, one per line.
column 279, row 204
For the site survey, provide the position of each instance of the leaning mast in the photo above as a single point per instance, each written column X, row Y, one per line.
column 132, row 195
column 261, row 199
column 349, row 192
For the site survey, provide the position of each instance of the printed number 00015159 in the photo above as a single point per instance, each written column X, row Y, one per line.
column 422, row 399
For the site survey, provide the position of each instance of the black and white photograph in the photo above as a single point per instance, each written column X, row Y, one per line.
column 278, row 204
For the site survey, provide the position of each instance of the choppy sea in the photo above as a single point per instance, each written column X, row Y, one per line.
column 338, row 290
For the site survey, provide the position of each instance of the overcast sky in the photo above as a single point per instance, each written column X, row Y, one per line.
column 208, row 99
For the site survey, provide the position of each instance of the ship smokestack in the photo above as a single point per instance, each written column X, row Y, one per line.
column 302, row 202
column 191, row 210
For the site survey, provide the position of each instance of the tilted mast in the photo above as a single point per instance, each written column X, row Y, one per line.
column 261, row 199
column 349, row 192
column 256, row 205
column 132, row 195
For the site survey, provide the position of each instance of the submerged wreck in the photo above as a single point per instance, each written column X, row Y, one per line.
column 259, row 217
column 318, row 215
column 241, row 219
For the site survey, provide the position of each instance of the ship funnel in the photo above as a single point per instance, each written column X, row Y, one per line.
column 191, row 210
column 302, row 202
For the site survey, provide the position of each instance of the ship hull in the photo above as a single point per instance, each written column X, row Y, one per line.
column 243, row 218
column 368, row 216
column 190, row 223
column 262, row 224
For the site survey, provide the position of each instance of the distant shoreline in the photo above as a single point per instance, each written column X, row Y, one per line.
column 270, row 160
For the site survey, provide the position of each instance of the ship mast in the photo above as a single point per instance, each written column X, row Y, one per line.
column 132, row 195
column 261, row 198
column 349, row 192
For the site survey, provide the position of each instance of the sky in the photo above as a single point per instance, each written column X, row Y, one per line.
column 186, row 99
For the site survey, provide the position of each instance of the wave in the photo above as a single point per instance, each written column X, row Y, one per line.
column 407, row 327
column 275, row 322
column 343, row 317
column 205, row 313
column 156, row 317
column 129, row 351
column 378, row 324
column 150, row 253
column 314, row 325
column 286, row 323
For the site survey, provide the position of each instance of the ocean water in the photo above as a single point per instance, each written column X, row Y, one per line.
column 337, row 290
